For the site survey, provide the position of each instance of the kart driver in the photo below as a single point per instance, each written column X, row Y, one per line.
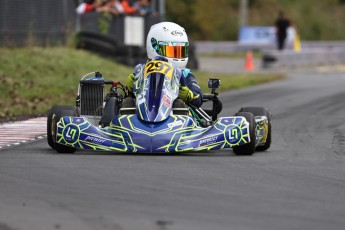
column 169, row 40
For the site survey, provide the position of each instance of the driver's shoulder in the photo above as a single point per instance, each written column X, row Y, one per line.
column 186, row 72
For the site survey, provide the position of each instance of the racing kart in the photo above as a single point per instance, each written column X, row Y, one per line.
column 101, row 122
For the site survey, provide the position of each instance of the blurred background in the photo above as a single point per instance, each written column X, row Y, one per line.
column 232, row 26
column 220, row 20
column 204, row 20
column 46, row 39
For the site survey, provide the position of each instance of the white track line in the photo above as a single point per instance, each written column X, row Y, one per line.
column 16, row 133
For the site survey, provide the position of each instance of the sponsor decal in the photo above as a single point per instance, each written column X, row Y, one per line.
column 95, row 140
column 175, row 123
column 71, row 133
column 208, row 141
column 177, row 33
column 166, row 101
column 234, row 134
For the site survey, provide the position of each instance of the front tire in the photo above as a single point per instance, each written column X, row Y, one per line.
column 54, row 116
column 261, row 111
column 249, row 148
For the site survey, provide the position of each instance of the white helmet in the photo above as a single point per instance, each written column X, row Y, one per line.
column 169, row 40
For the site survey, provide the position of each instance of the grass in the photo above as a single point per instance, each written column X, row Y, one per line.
column 34, row 79
column 236, row 81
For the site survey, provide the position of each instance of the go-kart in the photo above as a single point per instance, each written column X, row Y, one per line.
column 104, row 123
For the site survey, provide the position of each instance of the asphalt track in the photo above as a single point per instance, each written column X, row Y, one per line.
column 298, row 184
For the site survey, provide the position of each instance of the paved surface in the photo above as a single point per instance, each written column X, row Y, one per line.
column 223, row 65
column 19, row 132
column 298, row 184
column 234, row 46
column 227, row 65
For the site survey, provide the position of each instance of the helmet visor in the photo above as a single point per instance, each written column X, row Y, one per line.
column 173, row 49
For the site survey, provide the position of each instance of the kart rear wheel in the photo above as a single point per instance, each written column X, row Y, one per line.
column 54, row 115
column 261, row 111
column 249, row 148
column 49, row 128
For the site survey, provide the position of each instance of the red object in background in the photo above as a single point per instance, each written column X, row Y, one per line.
column 127, row 8
column 249, row 65
column 88, row 8
column 85, row 8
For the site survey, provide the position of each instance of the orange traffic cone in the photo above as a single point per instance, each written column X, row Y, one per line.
column 249, row 66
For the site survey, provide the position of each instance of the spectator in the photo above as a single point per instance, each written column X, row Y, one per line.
column 119, row 7
column 116, row 7
column 144, row 7
column 127, row 7
column 112, row 6
column 281, row 25
column 88, row 6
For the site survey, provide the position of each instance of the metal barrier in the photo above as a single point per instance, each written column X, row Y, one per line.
column 311, row 57
column 51, row 22
column 43, row 22
column 38, row 22
column 125, row 30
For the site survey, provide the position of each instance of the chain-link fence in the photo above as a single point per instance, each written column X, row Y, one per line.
column 39, row 22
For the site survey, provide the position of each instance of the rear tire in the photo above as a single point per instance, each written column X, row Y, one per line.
column 49, row 128
column 54, row 116
column 249, row 148
column 261, row 111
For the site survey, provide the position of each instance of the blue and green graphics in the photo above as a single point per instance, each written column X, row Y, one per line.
column 128, row 133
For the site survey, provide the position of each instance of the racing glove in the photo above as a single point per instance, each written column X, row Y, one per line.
column 186, row 94
column 130, row 82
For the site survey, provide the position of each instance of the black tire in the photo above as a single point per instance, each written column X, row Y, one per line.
column 54, row 115
column 50, row 115
column 249, row 148
column 49, row 129
column 261, row 111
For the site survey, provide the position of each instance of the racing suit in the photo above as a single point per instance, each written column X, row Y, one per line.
column 190, row 91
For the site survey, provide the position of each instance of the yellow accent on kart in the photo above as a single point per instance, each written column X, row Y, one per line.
column 159, row 67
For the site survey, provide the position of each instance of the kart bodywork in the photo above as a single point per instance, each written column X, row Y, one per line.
column 153, row 126
column 128, row 133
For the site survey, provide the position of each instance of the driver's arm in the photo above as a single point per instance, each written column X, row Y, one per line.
column 190, row 91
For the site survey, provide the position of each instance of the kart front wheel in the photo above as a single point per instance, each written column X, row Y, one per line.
column 54, row 116
column 261, row 111
column 249, row 148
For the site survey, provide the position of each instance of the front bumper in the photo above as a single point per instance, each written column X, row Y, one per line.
column 127, row 133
